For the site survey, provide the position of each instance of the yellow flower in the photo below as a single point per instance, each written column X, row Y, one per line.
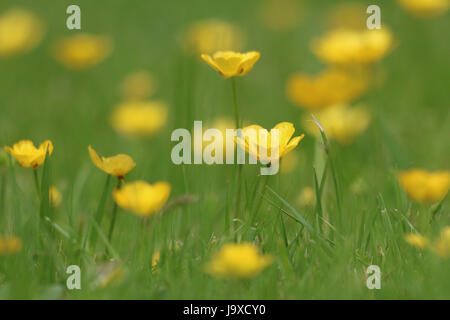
column 230, row 63
column 329, row 87
column 209, row 36
column 416, row 240
column 347, row 46
column 423, row 186
column 238, row 261
column 340, row 122
column 425, row 8
column 257, row 141
column 20, row 32
column 55, row 196
column 10, row 245
column 307, row 197
column 141, row 198
column 118, row 165
column 281, row 15
column 139, row 118
column 82, row 51
column 27, row 155
column 442, row 245
column 155, row 260
column 138, row 85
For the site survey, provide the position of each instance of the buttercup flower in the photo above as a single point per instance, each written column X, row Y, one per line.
column 240, row 260
column 82, row 51
column 230, row 63
column 329, row 87
column 347, row 46
column 261, row 148
column 442, row 245
column 138, row 85
column 118, row 165
column 141, row 198
column 340, row 122
column 209, row 36
column 139, row 118
column 423, row 186
column 425, row 8
column 27, row 155
column 55, row 196
column 416, row 240
column 20, row 32
column 9, row 245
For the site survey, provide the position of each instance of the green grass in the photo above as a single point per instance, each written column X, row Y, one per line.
column 319, row 252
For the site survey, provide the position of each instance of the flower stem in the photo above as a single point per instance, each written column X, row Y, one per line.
column 36, row 183
column 99, row 213
column 239, row 166
column 236, row 108
column 114, row 214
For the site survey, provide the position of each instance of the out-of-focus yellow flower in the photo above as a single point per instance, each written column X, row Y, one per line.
column 332, row 86
column 209, row 36
column 350, row 15
column 138, row 85
column 257, row 141
column 340, row 122
column 82, row 51
column 9, row 245
column 423, row 186
column 155, row 260
column 20, row 32
column 279, row 15
column 442, row 245
column 55, row 196
column 347, row 46
column 238, row 260
column 142, row 198
column 230, row 63
column 416, row 240
column 139, row 118
column 307, row 197
column 118, row 165
column 27, row 155
column 425, row 8
column 110, row 273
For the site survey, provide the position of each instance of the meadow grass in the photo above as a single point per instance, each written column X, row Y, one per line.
column 320, row 251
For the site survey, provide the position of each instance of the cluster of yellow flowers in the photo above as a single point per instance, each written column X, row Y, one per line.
column 440, row 246
column 21, row 31
column 139, row 197
column 349, row 50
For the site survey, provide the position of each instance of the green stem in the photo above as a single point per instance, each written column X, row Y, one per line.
column 36, row 183
column 239, row 166
column 236, row 108
column 114, row 214
column 100, row 211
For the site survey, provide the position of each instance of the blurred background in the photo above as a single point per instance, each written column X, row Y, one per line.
column 43, row 96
